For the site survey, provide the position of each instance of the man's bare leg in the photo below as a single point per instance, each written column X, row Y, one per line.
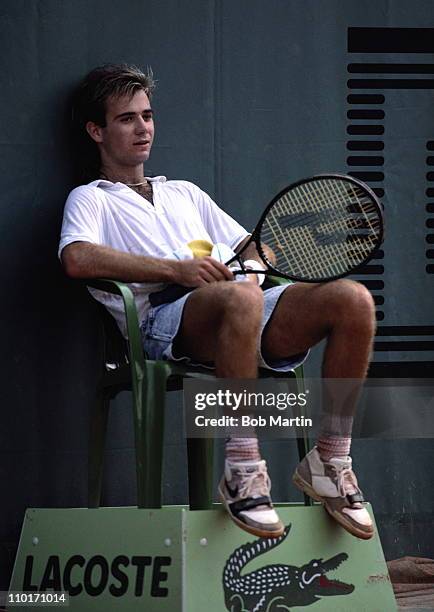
column 221, row 323
column 342, row 311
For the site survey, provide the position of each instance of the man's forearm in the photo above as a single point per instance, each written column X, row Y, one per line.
column 86, row 260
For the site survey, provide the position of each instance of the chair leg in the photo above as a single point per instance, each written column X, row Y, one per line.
column 200, row 453
column 97, row 435
column 303, row 443
column 149, row 434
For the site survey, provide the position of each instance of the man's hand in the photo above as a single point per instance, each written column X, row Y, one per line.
column 200, row 272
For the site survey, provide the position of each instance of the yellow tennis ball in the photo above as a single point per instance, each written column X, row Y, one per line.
column 200, row 248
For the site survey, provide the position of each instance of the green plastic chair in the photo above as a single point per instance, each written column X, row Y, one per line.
column 124, row 367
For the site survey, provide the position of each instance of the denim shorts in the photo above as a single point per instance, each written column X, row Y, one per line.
column 162, row 324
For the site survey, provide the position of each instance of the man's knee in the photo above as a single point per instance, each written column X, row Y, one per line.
column 351, row 299
column 242, row 301
column 243, row 295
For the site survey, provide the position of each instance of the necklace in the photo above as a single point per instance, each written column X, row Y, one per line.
column 136, row 184
column 144, row 189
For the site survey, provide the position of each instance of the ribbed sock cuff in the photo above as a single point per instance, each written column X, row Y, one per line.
column 242, row 449
column 333, row 446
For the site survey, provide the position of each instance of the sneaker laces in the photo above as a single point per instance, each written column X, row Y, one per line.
column 255, row 483
column 347, row 483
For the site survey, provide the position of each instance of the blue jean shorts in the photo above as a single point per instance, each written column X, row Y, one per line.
column 162, row 324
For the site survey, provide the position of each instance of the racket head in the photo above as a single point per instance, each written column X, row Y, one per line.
column 330, row 225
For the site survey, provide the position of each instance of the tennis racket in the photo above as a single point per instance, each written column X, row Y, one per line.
column 318, row 229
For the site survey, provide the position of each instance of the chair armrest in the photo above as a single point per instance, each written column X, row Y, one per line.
column 104, row 284
column 278, row 280
column 137, row 358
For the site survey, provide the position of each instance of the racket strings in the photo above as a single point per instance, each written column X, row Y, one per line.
column 316, row 261
column 283, row 246
column 304, row 236
column 322, row 228
column 304, row 239
column 352, row 203
column 341, row 250
column 334, row 258
column 365, row 231
column 337, row 192
column 298, row 239
column 340, row 198
column 363, row 206
column 288, row 244
column 361, row 247
column 278, row 237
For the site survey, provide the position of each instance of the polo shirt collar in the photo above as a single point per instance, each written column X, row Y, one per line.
column 104, row 184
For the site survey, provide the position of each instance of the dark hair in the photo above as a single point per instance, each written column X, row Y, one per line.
column 89, row 104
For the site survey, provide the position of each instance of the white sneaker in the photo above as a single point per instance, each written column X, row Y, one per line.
column 334, row 484
column 245, row 492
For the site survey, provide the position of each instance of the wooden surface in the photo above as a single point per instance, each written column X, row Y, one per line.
column 413, row 583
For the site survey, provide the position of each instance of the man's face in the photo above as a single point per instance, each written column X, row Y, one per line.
column 127, row 138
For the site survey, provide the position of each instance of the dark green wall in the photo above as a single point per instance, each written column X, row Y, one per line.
column 251, row 95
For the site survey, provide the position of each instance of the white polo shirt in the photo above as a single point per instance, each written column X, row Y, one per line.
column 114, row 215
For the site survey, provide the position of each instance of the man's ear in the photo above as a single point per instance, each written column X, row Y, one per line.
column 94, row 131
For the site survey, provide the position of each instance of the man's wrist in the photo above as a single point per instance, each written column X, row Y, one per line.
column 171, row 270
column 159, row 270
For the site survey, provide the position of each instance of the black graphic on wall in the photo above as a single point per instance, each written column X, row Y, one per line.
column 278, row 587
column 430, row 205
column 369, row 84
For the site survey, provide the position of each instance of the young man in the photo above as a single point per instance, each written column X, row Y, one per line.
column 125, row 226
